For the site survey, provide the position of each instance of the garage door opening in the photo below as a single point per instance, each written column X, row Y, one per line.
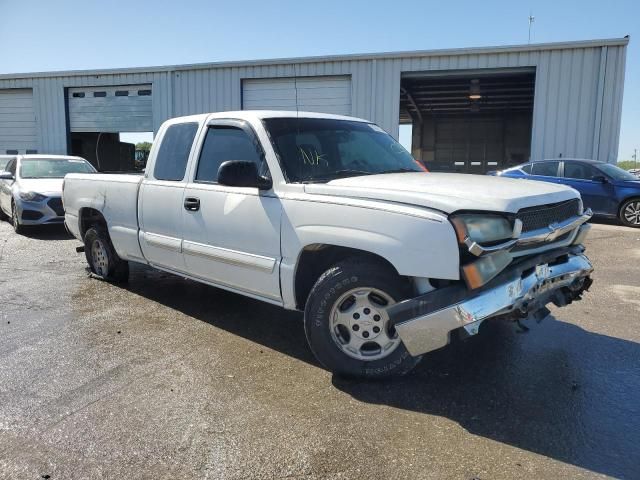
column 106, row 124
column 469, row 121
column 113, row 151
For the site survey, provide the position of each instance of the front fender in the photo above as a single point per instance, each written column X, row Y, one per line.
column 416, row 241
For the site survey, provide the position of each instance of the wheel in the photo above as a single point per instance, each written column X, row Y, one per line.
column 102, row 257
column 3, row 216
column 346, row 322
column 630, row 213
column 15, row 220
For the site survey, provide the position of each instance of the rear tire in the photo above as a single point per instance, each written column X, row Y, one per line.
column 346, row 323
column 102, row 258
column 630, row 213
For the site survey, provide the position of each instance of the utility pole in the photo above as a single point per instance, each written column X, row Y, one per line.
column 531, row 20
column 635, row 158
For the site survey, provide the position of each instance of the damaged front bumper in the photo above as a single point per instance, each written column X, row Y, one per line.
column 560, row 276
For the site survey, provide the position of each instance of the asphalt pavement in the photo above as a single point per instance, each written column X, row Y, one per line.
column 166, row 378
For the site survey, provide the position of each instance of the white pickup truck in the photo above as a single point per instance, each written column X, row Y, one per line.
column 331, row 216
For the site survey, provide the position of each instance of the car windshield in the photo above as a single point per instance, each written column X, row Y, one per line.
column 3, row 163
column 321, row 149
column 53, row 167
column 616, row 172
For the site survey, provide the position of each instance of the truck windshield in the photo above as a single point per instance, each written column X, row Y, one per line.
column 321, row 149
column 53, row 167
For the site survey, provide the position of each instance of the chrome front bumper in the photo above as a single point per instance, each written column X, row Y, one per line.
column 424, row 323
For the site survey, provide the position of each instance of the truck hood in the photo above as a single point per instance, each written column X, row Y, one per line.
column 49, row 186
column 448, row 192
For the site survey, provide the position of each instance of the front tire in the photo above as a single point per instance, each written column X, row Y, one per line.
column 630, row 213
column 15, row 220
column 346, row 323
column 102, row 258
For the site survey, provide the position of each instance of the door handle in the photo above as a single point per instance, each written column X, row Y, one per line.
column 192, row 204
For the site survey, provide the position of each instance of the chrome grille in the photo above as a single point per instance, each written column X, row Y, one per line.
column 535, row 218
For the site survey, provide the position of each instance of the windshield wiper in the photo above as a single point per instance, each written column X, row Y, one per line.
column 337, row 174
column 400, row 170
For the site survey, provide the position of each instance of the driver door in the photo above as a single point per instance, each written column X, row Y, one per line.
column 596, row 194
column 231, row 234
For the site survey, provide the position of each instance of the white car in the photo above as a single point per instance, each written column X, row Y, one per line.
column 31, row 188
column 331, row 216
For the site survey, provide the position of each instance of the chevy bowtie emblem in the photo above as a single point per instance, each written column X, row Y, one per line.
column 553, row 228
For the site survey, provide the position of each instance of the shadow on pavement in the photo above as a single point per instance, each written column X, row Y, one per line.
column 251, row 319
column 558, row 390
column 47, row 232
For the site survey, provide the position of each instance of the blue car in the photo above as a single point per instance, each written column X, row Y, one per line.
column 605, row 188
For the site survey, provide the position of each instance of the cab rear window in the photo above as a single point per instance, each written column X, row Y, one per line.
column 171, row 161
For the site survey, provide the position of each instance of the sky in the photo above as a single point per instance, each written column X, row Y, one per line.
column 44, row 35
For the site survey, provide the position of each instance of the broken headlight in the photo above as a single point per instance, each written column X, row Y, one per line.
column 482, row 228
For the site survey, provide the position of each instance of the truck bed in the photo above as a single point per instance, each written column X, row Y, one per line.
column 116, row 197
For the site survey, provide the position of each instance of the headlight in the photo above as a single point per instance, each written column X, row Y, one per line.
column 32, row 196
column 482, row 228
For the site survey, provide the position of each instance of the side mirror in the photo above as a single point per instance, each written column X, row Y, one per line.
column 6, row 176
column 599, row 178
column 241, row 173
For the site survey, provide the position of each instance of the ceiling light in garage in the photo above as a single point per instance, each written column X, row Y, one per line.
column 474, row 90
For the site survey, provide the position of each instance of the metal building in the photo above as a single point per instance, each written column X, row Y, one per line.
column 471, row 109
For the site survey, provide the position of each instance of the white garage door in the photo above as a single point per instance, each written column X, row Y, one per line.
column 124, row 108
column 17, row 121
column 315, row 94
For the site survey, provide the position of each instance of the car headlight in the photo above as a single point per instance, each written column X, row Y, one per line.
column 482, row 228
column 32, row 196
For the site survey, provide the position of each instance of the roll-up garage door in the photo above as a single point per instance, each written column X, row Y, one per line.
column 17, row 121
column 124, row 108
column 314, row 94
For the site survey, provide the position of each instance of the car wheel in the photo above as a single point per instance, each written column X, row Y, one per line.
column 15, row 220
column 102, row 258
column 630, row 213
column 3, row 216
column 346, row 323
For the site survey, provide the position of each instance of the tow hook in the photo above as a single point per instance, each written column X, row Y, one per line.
column 573, row 292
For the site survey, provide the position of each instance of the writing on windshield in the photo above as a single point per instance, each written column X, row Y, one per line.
column 320, row 149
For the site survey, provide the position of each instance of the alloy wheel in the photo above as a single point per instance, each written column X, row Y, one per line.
column 360, row 326
column 631, row 212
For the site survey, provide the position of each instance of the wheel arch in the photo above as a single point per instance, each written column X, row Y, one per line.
column 314, row 259
column 89, row 217
column 635, row 196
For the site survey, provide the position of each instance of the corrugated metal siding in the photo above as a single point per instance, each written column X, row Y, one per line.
column 121, row 109
column 577, row 104
column 314, row 94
